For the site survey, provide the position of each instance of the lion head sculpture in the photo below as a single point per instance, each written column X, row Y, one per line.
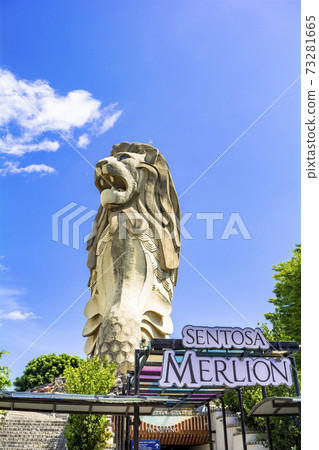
column 133, row 253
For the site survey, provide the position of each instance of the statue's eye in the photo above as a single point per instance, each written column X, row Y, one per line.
column 123, row 157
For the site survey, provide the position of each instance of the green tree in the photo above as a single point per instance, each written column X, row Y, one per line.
column 287, row 316
column 4, row 374
column 88, row 431
column 285, row 325
column 44, row 369
column 285, row 431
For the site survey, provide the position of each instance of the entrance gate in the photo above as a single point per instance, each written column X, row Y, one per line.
column 145, row 381
column 143, row 393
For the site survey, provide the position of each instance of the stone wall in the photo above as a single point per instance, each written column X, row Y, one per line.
column 30, row 430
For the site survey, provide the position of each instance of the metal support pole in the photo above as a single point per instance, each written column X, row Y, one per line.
column 128, row 434
column 116, row 432
column 243, row 429
column 295, row 376
column 136, row 392
column 119, row 424
column 121, row 436
column 129, row 382
column 122, row 433
column 136, row 374
column 128, row 419
column 224, row 424
column 264, row 392
column 136, row 426
column 209, row 427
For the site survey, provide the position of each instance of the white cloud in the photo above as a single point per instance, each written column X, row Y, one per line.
column 13, row 168
column 83, row 141
column 11, row 308
column 109, row 121
column 18, row 146
column 10, row 292
column 34, row 117
column 3, row 268
column 18, row 315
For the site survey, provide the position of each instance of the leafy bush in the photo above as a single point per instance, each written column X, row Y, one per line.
column 4, row 376
column 44, row 369
column 88, row 431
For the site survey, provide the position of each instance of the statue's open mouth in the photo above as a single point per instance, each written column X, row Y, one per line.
column 108, row 181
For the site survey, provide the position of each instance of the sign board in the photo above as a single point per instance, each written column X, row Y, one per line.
column 196, row 371
column 147, row 444
column 224, row 338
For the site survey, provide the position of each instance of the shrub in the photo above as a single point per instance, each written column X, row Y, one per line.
column 88, row 431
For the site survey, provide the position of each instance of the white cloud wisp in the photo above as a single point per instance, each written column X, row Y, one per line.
column 18, row 315
column 34, row 117
column 11, row 308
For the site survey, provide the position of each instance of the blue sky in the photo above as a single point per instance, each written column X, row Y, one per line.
column 192, row 77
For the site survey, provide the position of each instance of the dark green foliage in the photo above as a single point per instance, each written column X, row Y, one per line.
column 44, row 369
column 88, row 431
column 285, row 431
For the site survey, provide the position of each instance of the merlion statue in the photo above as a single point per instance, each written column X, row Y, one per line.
column 133, row 254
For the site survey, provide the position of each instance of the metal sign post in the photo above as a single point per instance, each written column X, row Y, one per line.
column 264, row 392
column 243, row 428
column 209, row 417
column 224, row 424
column 136, row 426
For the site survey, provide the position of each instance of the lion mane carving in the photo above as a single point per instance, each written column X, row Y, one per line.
column 134, row 252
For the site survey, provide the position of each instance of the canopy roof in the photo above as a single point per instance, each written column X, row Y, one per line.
column 277, row 406
column 80, row 404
